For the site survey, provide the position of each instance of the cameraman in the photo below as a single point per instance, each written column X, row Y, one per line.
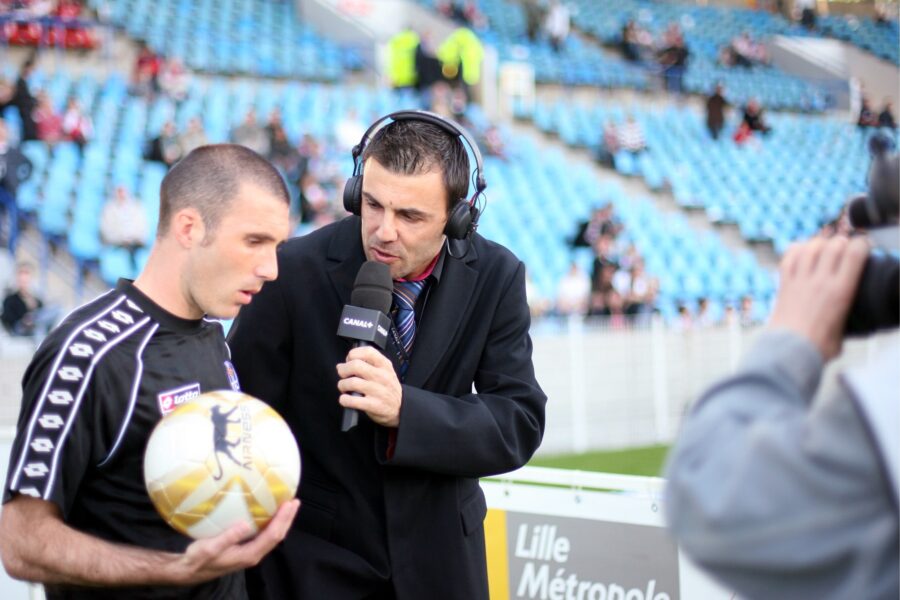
column 782, row 498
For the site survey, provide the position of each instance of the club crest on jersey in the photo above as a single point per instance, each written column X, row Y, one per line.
column 232, row 376
column 172, row 399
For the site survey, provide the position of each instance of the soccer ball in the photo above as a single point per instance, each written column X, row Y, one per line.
column 221, row 458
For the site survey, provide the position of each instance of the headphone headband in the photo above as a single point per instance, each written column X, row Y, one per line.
column 462, row 219
column 448, row 125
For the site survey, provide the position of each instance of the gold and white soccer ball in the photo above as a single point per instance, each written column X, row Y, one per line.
column 221, row 458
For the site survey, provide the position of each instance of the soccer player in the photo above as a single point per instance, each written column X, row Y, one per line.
column 76, row 514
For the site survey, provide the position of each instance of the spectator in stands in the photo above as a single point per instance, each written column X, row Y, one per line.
column 14, row 167
column 348, row 131
column 705, row 319
column 634, row 39
column 538, row 306
column 251, row 134
column 492, row 141
column 867, row 116
column 601, row 284
column 603, row 271
column 601, row 223
column 49, row 123
column 754, row 120
column 886, row 117
column 401, row 60
column 637, row 289
column 174, row 80
column 461, row 55
column 684, row 321
column 145, row 77
column 534, row 16
column 309, row 155
column 281, row 152
column 747, row 317
column 673, row 59
column 573, row 292
column 807, row 9
column 24, row 312
column 192, row 137
column 465, row 13
column 165, row 147
column 37, row 8
column 313, row 199
column 274, row 123
column 715, row 111
column 730, row 317
column 24, row 101
column 609, row 145
column 428, row 67
column 77, row 125
column 746, row 52
column 615, row 309
column 631, row 136
column 6, row 92
column 558, row 24
column 629, row 257
column 123, row 223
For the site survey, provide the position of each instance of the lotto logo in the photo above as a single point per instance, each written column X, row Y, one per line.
column 36, row 469
column 95, row 335
column 62, row 397
column 51, row 421
column 110, row 327
column 172, row 399
column 81, row 350
column 70, row 373
column 42, row 445
column 122, row 317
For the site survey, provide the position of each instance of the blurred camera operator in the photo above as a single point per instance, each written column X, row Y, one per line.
column 779, row 496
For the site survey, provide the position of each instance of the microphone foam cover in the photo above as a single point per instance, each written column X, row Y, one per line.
column 373, row 288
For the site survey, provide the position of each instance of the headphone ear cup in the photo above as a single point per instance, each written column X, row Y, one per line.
column 353, row 195
column 459, row 221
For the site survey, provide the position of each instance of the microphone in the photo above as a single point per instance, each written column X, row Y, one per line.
column 365, row 320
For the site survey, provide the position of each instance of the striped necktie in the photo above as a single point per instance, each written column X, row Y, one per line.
column 405, row 295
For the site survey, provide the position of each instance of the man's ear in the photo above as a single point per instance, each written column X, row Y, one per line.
column 187, row 227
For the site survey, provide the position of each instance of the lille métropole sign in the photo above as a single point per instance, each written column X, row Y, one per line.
column 584, row 541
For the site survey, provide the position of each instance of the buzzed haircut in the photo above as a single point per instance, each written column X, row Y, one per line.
column 209, row 179
column 410, row 147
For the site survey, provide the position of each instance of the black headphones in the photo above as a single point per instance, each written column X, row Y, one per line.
column 463, row 218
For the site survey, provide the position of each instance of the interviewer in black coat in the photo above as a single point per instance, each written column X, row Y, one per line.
column 392, row 508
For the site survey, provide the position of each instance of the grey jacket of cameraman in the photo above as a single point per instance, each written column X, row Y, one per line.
column 780, row 497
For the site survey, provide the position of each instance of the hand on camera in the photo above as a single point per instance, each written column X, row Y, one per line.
column 818, row 282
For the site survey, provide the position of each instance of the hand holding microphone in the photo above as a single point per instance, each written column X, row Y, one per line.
column 368, row 381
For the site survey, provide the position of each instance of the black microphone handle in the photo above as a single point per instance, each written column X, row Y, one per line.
column 350, row 416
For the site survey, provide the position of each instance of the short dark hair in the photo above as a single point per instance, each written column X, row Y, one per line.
column 209, row 178
column 410, row 147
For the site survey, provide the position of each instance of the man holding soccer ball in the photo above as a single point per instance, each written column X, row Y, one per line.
column 76, row 514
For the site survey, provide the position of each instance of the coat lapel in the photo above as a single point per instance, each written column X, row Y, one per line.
column 345, row 256
column 445, row 308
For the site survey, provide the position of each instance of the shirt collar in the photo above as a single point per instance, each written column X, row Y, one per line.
column 434, row 270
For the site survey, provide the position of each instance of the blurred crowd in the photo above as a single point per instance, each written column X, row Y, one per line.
column 39, row 118
column 63, row 23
